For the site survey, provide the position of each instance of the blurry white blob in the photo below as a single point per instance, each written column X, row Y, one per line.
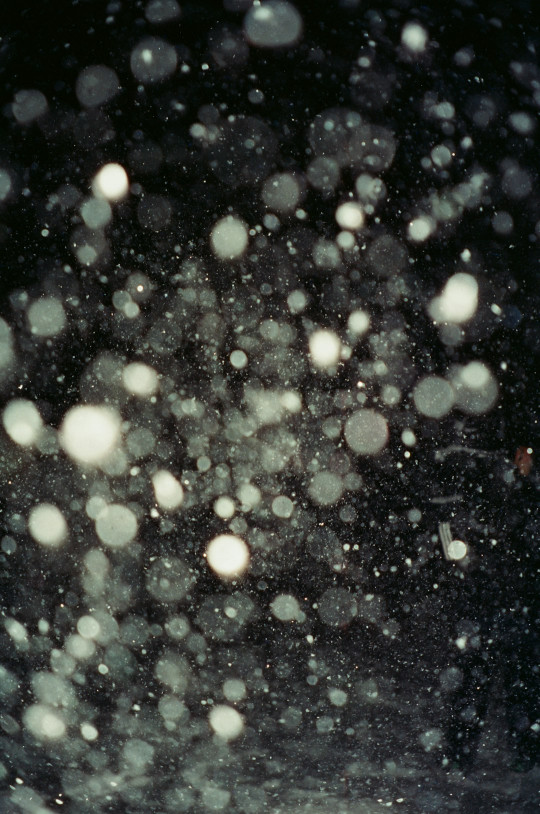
column 229, row 238
column 350, row 215
column 111, row 182
column 140, row 379
column 433, row 396
column 46, row 317
column 167, row 490
column 22, row 422
column 88, row 627
column 366, row 432
column 324, row 348
column 47, row 525
column 475, row 386
column 90, row 433
column 44, row 722
column 458, row 301
column 116, row 525
column 29, row 105
column 228, row 556
column 421, row 228
column 96, row 85
column 286, row 608
column 273, row 24
column 452, row 549
column 159, row 12
column 358, row 322
column 226, row 722
column 224, row 507
column 153, row 60
column 414, row 37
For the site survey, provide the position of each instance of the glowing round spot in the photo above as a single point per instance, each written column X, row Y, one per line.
column 47, row 525
column 89, row 434
column 116, row 525
column 111, row 182
column 226, row 722
column 366, row 432
column 434, row 397
column 229, row 238
column 456, row 550
column 350, row 215
column 44, row 722
column 228, row 556
column 140, row 379
column 273, row 24
column 22, row 422
column 46, row 317
column 324, row 348
column 168, row 491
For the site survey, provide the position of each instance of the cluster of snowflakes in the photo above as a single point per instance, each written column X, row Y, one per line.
column 267, row 439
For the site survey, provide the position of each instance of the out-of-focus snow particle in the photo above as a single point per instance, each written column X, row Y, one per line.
column 456, row 550
column 46, row 317
column 173, row 670
column 226, row 722
column 29, row 105
column 523, row 123
column 286, row 608
column 281, row 192
column 326, row 488
column 140, row 379
column 337, row 697
column 137, row 754
column 169, row 579
column 249, row 496
column 22, row 422
column 44, row 722
column 238, row 359
column 475, row 386
column 90, row 433
column 282, row 506
column 96, row 85
column 350, row 215
column 80, row 648
column 153, row 60
column 7, row 355
column 229, row 238
column 458, row 301
column 6, row 184
column 414, row 37
column 96, row 213
column 408, row 437
column 296, row 301
column 228, row 556
column 224, row 507
column 358, row 322
column 337, row 607
column 159, row 12
column 502, row 223
column 324, row 348
column 421, row 228
column 234, row 690
column 89, row 732
column 47, row 525
column 366, row 432
column 88, row 627
column 434, row 396
column 111, row 182
column 116, row 525
column 273, row 24
column 167, row 490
